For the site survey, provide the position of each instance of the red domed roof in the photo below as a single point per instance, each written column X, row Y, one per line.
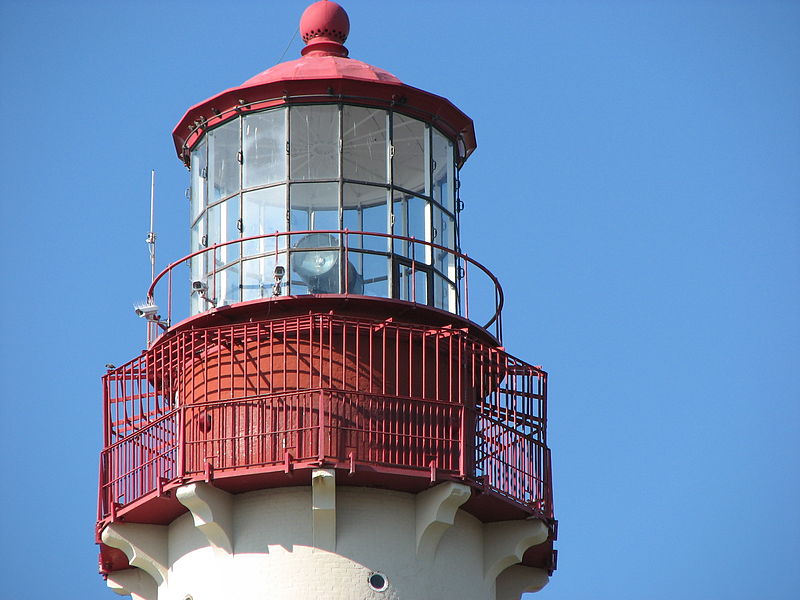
column 324, row 74
column 324, row 66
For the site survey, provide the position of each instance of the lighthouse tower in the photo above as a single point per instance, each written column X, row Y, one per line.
column 324, row 409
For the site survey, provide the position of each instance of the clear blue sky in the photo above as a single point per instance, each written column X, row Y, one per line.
column 636, row 187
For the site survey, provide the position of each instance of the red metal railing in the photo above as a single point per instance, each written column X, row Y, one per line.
column 490, row 292
column 326, row 389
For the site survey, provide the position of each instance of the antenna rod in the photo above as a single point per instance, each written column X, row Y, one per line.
column 151, row 235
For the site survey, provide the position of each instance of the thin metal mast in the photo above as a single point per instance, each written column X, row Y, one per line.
column 151, row 235
column 151, row 243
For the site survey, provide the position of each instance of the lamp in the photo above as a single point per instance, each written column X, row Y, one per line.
column 317, row 264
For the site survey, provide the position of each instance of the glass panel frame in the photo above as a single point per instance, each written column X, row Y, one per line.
column 314, row 142
column 224, row 170
column 365, row 144
column 199, row 179
column 264, row 141
column 411, row 154
column 264, row 212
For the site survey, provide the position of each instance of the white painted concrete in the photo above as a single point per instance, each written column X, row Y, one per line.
column 274, row 556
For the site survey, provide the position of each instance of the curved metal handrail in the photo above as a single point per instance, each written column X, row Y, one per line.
column 495, row 319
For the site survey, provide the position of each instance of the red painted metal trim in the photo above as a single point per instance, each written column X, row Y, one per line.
column 408, row 100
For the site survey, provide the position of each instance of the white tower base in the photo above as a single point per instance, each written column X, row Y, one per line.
column 327, row 543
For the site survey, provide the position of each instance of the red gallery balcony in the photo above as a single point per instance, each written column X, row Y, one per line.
column 259, row 393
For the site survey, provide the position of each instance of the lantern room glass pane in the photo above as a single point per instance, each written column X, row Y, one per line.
column 444, row 294
column 223, row 160
column 197, row 267
column 314, row 142
column 258, row 277
column 443, row 171
column 365, row 208
column 364, row 142
column 226, row 285
column 264, row 148
column 213, row 225
column 374, row 272
column 229, row 228
column 412, row 283
column 444, row 235
column 412, row 219
column 264, row 212
column 314, row 206
column 198, row 167
column 409, row 164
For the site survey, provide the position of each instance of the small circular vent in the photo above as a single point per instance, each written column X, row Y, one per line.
column 378, row 582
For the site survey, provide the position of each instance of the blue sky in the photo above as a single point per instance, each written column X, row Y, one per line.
column 636, row 188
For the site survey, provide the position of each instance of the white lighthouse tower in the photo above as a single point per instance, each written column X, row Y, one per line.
column 334, row 417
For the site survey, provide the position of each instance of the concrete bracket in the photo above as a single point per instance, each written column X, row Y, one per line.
column 504, row 543
column 144, row 545
column 212, row 511
column 436, row 511
column 134, row 583
column 323, row 508
column 519, row 579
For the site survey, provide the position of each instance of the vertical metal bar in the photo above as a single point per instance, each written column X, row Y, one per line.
column 413, row 273
column 214, row 275
column 383, row 359
column 466, row 286
column 329, row 350
column 169, row 297
column 180, row 435
column 396, row 361
column 371, row 333
column 410, row 374
column 297, row 353
column 346, row 264
column 321, row 418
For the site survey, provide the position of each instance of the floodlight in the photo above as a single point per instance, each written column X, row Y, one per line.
column 317, row 264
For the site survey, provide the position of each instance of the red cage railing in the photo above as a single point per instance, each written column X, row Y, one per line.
column 228, row 399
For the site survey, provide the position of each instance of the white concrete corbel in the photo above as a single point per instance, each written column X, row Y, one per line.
column 436, row 511
column 134, row 583
column 519, row 579
column 212, row 511
column 504, row 543
column 323, row 508
column 144, row 545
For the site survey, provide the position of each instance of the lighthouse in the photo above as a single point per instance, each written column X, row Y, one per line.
column 325, row 408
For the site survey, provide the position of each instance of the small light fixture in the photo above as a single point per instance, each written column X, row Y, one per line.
column 279, row 273
column 146, row 310
column 201, row 288
column 149, row 312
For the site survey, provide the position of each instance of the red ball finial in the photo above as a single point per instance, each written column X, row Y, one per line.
column 324, row 27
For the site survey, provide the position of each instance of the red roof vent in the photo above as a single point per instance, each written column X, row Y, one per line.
column 324, row 27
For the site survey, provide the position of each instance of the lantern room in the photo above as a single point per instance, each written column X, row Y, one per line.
column 341, row 188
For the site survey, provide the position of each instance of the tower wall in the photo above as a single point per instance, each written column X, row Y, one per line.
column 280, row 546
